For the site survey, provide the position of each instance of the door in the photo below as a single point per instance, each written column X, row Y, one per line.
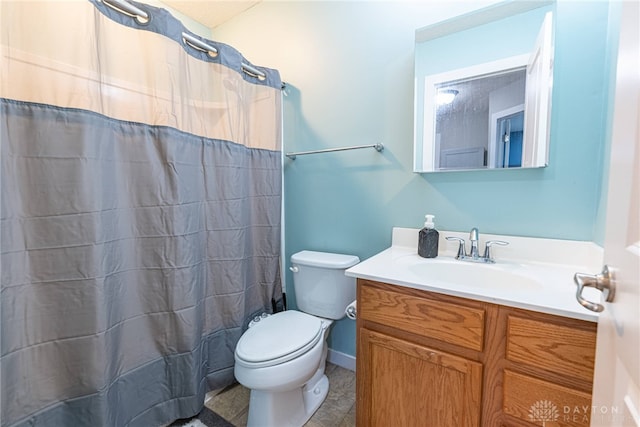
column 616, row 390
column 506, row 133
column 407, row 384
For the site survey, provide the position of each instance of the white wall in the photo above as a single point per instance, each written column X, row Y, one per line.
column 191, row 24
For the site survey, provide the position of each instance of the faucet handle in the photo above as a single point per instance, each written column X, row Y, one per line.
column 487, row 249
column 461, row 251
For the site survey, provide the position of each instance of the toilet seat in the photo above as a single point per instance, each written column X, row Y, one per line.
column 278, row 339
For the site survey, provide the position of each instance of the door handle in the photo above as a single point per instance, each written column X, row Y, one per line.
column 602, row 282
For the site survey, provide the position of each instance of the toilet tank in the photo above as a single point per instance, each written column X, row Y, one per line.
column 321, row 287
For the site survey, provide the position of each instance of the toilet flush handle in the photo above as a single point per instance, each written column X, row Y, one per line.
column 294, row 269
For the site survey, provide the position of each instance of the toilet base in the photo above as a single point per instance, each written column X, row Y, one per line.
column 314, row 396
column 289, row 408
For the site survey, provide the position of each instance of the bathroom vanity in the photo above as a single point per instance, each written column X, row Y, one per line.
column 489, row 353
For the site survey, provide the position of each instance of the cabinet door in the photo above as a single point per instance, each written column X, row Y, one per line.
column 405, row 384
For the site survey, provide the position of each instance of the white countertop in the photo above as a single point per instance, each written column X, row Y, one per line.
column 553, row 268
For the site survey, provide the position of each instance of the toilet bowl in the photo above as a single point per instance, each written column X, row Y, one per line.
column 281, row 352
column 285, row 371
column 282, row 358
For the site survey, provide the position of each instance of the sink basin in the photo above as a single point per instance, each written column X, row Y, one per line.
column 536, row 274
column 447, row 271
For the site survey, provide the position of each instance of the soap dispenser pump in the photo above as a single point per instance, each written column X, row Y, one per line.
column 428, row 239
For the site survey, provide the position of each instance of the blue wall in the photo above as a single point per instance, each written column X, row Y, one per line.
column 349, row 67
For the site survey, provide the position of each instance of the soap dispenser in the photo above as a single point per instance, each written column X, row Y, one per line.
column 428, row 239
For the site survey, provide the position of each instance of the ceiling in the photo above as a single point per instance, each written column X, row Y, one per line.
column 210, row 13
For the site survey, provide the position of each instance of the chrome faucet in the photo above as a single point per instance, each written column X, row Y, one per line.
column 473, row 238
column 474, row 254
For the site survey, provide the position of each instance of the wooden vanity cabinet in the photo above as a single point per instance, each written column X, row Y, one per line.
column 547, row 369
column 417, row 358
column 427, row 359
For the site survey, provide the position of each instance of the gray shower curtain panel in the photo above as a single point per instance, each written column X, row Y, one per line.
column 140, row 215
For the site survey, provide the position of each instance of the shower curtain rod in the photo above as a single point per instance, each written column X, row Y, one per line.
column 141, row 16
column 379, row 147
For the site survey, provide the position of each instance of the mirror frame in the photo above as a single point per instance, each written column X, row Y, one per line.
column 459, row 24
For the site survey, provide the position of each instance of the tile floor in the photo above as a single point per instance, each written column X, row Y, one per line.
column 338, row 410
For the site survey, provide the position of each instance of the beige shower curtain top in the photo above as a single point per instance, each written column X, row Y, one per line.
column 69, row 54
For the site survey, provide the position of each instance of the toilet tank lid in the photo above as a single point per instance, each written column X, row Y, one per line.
column 324, row 259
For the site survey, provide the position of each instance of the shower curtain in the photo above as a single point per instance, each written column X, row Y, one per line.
column 140, row 213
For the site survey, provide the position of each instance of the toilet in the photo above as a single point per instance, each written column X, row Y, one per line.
column 281, row 358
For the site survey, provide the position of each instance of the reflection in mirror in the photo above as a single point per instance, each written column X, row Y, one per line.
column 481, row 123
column 497, row 112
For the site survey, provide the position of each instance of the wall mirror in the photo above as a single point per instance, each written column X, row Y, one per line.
column 483, row 94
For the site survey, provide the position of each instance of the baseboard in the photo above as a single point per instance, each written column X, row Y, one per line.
column 342, row 359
